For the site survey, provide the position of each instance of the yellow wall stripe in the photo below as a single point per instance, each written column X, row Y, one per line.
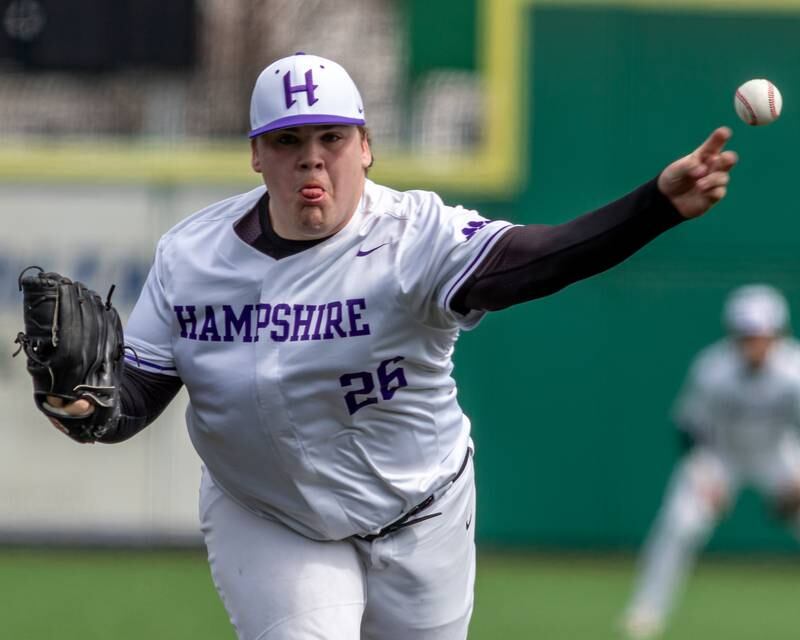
column 496, row 167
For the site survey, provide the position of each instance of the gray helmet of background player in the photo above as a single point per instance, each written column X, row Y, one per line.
column 756, row 316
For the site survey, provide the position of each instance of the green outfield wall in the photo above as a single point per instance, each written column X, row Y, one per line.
column 570, row 395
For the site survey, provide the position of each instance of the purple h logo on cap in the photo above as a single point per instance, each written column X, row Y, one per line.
column 307, row 88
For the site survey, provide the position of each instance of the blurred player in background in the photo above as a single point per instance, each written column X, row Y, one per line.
column 313, row 321
column 739, row 417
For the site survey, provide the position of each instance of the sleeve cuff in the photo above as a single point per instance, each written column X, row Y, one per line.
column 660, row 205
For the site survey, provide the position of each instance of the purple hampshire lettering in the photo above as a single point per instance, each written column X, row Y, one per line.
column 286, row 310
column 189, row 322
column 237, row 324
column 300, row 322
column 354, row 316
column 210, row 327
column 289, row 322
column 334, row 320
column 320, row 314
column 262, row 318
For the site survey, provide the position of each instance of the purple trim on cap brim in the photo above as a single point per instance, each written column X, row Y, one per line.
column 299, row 121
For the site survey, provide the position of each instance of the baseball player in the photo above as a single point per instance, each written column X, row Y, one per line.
column 739, row 413
column 312, row 321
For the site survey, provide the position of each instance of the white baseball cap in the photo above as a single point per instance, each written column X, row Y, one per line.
column 756, row 310
column 304, row 89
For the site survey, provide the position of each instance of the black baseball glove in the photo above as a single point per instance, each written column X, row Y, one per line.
column 74, row 344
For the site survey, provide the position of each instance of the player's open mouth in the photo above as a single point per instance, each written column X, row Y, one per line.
column 312, row 193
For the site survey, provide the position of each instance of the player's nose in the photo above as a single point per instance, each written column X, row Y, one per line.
column 311, row 156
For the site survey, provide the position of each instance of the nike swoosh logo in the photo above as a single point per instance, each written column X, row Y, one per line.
column 368, row 251
column 469, row 521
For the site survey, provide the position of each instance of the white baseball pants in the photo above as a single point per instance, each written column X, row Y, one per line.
column 703, row 486
column 413, row 584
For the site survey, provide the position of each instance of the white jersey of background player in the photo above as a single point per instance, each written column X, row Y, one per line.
column 313, row 323
column 740, row 408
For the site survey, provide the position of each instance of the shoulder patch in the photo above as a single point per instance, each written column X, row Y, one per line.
column 473, row 227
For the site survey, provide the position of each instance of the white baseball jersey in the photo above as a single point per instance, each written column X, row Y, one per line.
column 320, row 384
column 743, row 415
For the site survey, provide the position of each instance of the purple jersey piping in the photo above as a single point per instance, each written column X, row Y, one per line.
column 299, row 121
column 470, row 268
column 147, row 363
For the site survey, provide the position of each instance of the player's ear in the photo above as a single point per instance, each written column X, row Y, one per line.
column 255, row 159
column 366, row 153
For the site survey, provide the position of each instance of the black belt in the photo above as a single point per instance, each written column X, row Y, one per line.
column 406, row 520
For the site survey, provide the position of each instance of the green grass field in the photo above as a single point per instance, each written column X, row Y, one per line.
column 102, row 595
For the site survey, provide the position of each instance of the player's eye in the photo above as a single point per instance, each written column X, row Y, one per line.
column 331, row 136
column 286, row 139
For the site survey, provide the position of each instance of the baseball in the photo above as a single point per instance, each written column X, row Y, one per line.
column 758, row 102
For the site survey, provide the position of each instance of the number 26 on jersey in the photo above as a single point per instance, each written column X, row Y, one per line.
column 363, row 393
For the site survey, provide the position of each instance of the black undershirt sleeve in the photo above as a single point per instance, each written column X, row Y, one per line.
column 534, row 261
column 143, row 396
